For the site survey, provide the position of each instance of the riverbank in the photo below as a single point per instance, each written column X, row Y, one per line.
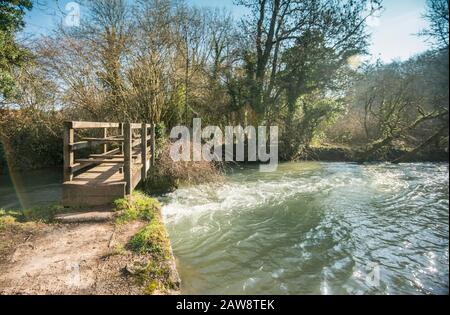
column 335, row 153
column 130, row 254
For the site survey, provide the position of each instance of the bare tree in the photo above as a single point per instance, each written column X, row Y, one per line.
column 437, row 16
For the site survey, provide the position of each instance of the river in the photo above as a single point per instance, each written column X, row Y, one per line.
column 315, row 228
column 21, row 190
column 308, row 228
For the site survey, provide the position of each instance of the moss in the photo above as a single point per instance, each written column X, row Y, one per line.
column 156, row 276
column 150, row 247
column 157, row 273
column 151, row 287
column 152, row 239
column 137, row 206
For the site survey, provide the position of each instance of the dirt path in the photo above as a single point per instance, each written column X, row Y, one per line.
column 70, row 259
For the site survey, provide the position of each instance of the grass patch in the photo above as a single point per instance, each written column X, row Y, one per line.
column 6, row 220
column 135, row 207
column 151, row 260
column 152, row 239
column 13, row 231
column 157, row 273
column 43, row 214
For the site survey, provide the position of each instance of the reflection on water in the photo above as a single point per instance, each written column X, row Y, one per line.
column 315, row 228
column 30, row 189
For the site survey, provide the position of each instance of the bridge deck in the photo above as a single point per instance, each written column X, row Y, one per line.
column 103, row 178
column 99, row 185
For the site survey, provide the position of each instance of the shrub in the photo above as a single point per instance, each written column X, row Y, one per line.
column 30, row 139
column 167, row 175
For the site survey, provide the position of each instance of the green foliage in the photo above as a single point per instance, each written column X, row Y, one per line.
column 312, row 114
column 12, row 12
column 11, row 54
column 31, row 139
column 137, row 206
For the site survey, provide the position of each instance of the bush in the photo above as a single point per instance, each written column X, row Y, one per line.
column 167, row 175
column 31, row 139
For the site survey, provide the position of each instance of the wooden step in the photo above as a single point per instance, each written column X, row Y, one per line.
column 86, row 217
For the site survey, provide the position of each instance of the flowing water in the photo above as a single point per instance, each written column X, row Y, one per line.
column 325, row 228
column 315, row 228
column 21, row 190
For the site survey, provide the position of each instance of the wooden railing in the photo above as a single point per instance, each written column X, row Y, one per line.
column 132, row 140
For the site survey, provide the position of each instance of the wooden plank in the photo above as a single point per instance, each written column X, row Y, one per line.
column 111, row 156
column 103, row 140
column 68, row 155
column 127, row 147
column 91, row 124
column 79, row 166
column 136, row 142
column 100, row 160
column 102, row 174
column 87, row 144
column 79, row 195
column 80, row 145
column 112, row 152
column 136, row 174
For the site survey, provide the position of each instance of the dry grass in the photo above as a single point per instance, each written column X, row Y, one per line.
column 167, row 175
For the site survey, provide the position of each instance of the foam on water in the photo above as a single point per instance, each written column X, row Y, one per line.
column 314, row 228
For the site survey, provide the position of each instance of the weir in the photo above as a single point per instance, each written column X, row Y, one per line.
column 126, row 154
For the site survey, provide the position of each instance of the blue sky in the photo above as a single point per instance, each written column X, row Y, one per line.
column 393, row 33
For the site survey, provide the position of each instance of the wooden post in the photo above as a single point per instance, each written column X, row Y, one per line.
column 121, row 134
column 105, row 146
column 144, row 156
column 67, row 150
column 153, row 146
column 128, row 161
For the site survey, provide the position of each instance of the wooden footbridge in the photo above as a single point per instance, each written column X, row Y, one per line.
column 123, row 154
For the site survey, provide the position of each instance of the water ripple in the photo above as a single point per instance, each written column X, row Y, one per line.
column 310, row 228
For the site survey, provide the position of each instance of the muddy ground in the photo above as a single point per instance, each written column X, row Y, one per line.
column 74, row 258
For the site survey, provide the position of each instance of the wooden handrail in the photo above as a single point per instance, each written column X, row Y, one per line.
column 91, row 124
column 131, row 147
